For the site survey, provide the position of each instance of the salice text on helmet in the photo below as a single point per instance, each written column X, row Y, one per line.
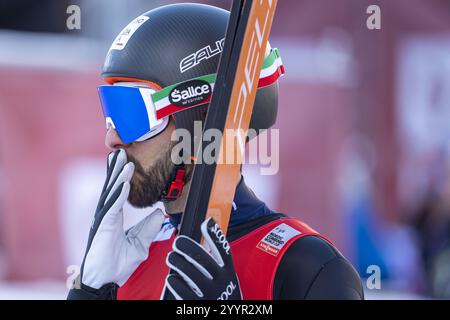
column 204, row 53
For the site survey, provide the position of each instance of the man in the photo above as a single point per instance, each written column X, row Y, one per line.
column 161, row 72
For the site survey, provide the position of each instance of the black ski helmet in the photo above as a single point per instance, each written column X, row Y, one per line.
column 172, row 33
column 176, row 43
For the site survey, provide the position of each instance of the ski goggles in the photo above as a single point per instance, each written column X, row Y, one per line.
column 138, row 114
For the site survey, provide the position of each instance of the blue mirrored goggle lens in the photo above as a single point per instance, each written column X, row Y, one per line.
column 126, row 108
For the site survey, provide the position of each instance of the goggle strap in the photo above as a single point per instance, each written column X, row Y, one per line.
column 271, row 71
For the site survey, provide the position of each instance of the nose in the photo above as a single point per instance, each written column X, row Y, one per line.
column 113, row 141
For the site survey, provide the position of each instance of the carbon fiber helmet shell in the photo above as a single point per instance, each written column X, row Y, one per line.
column 176, row 43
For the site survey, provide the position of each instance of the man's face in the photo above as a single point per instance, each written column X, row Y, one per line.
column 153, row 164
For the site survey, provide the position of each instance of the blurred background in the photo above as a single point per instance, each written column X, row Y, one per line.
column 364, row 136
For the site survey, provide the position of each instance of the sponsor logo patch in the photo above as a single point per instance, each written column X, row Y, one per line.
column 121, row 40
column 275, row 240
column 228, row 291
column 220, row 236
column 190, row 93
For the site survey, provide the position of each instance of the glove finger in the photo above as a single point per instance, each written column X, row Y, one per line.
column 115, row 203
column 179, row 289
column 145, row 231
column 115, row 163
column 111, row 210
column 216, row 242
column 125, row 176
column 116, row 167
column 196, row 255
column 112, row 157
column 190, row 274
column 107, row 221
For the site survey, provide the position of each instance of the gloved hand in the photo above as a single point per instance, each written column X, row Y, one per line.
column 112, row 254
column 199, row 274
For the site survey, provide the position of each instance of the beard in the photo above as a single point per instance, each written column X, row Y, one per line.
column 147, row 186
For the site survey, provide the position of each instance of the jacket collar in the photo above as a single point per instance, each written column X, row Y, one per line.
column 246, row 206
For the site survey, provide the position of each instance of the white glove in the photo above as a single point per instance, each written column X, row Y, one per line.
column 112, row 254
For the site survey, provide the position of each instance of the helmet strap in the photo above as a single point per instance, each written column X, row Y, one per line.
column 175, row 185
